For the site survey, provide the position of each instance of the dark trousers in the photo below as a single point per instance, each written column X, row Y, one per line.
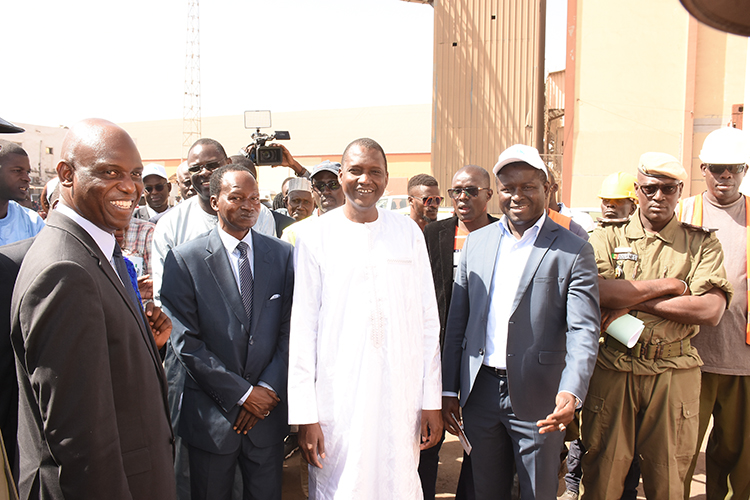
column 428, row 467
column 212, row 476
column 499, row 438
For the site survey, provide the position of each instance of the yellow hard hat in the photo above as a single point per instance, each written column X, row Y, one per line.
column 618, row 186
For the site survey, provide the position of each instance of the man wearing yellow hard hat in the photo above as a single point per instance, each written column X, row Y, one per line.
column 619, row 200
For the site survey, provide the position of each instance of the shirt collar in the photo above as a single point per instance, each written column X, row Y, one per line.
column 635, row 229
column 230, row 242
column 103, row 239
column 531, row 232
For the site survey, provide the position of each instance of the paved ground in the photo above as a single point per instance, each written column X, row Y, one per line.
column 450, row 465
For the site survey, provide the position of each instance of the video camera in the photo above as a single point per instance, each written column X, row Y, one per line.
column 257, row 151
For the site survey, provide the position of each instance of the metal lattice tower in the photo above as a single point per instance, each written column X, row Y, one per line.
column 191, row 101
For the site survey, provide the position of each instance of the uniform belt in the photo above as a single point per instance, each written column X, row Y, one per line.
column 498, row 372
column 650, row 351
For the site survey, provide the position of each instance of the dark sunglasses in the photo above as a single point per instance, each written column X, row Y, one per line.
column 736, row 168
column 429, row 200
column 320, row 185
column 194, row 169
column 158, row 187
column 471, row 192
column 666, row 189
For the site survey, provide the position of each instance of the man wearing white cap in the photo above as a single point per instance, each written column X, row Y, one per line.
column 156, row 188
column 725, row 348
column 521, row 335
column 645, row 397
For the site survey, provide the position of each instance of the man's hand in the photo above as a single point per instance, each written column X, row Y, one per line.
column 432, row 429
column 609, row 315
column 146, row 287
column 311, row 443
column 261, row 401
column 558, row 420
column 287, row 160
column 450, row 406
column 161, row 325
column 245, row 421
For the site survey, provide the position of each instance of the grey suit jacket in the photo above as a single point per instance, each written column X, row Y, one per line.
column 553, row 329
column 93, row 417
column 222, row 353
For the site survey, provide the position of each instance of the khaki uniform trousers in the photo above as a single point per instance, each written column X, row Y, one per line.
column 656, row 414
column 727, row 397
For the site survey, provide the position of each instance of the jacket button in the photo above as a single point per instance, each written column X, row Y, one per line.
column 481, row 352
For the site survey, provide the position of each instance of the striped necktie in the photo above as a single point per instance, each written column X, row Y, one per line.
column 246, row 280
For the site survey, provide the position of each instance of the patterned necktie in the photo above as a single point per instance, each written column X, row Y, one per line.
column 246, row 280
column 122, row 271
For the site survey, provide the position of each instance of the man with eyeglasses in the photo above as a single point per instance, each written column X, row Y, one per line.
column 424, row 199
column 669, row 275
column 156, row 188
column 470, row 192
column 725, row 348
column 326, row 192
column 184, row 223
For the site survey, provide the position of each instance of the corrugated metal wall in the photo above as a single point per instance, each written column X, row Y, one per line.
column 485, row 83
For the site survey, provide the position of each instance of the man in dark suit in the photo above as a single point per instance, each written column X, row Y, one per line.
column 229, row 295
column 522, row 335
column 93, row 417
column 470, row 191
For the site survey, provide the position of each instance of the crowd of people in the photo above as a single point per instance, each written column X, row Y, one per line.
column 162, row 351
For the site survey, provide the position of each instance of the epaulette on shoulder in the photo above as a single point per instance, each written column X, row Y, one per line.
column 703, row 229
column 612, row 222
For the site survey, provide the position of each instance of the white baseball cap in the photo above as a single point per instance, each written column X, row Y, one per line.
column 154, row 169
column 522, row 153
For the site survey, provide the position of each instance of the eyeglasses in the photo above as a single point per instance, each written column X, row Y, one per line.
column 158, row 187
column 430, row 200
column 666, row 189
column 320, row 185
column 471, row 192
column 736, row 168
column 194, row 169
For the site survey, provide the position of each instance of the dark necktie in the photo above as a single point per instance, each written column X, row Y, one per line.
column 122, row 271
column 246, row 281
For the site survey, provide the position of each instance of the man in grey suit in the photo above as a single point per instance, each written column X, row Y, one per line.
column 229, row 295
column 93, row 416
column 522, row 335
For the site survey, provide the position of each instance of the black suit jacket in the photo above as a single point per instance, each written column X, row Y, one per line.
column 11, row 257
column 439, row 237
column 93, row 417
column 223, row 354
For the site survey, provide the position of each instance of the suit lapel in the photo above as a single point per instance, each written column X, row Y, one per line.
column 263, row 259
column 218, row 264
column 68, row 225
column 446, row 241
column 547, row 235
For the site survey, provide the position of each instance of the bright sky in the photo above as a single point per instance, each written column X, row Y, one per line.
column 125, row 61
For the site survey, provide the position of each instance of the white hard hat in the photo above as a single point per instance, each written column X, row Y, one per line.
column 726, row 146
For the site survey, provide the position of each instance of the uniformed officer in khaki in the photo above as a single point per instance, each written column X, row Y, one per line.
column 669, row 275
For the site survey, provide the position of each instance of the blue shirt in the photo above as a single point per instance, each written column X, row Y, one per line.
column 19, row 223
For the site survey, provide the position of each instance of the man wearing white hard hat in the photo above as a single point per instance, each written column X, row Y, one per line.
column 156, row 188
column 644, row 392
column 725, row 348
column 521, row 335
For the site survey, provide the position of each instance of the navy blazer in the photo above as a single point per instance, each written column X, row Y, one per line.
column 222, row 353
column 553, row 330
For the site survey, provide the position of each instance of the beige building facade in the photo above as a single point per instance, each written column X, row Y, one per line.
column 643, row 76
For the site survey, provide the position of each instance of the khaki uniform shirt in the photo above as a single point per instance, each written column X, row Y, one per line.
column 677, row 251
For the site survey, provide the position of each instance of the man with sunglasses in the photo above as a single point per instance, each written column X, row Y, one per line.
column 156, row 188
column 470, row 192
column 725, row 348
column 326, row 192
column 669, row 275
column 424, row 199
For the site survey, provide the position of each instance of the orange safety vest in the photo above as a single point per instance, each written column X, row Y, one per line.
column 696, row 219
column 561, row 219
